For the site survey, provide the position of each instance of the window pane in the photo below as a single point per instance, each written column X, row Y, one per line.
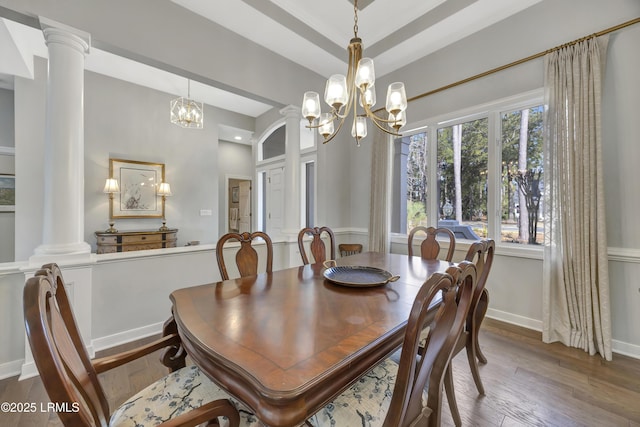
column 522, row 177
column 309, row 194
column 462, row 178
column 273, row 146
column 416, row 181
column 409, row 201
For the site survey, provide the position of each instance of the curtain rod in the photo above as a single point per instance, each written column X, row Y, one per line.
column 523, row 60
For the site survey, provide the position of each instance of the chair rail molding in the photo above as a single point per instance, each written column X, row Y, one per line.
column 624, row 255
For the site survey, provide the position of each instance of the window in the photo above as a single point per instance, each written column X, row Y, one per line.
column 274, row 144
column 462, row 178
column 270, row 183
column 448, row 174
column 521, row 174
column 307, row 175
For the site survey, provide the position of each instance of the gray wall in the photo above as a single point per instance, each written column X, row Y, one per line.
column 237, row 160
column 7, row 133
column 144, row 133
column 29, row 99
column 7, row 219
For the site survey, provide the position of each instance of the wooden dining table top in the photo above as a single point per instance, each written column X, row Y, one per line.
column 287, row 342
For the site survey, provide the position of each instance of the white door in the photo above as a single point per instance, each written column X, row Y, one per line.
column 244, row 217
column 275, row 201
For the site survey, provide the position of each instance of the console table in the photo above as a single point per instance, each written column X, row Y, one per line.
column 125, row 241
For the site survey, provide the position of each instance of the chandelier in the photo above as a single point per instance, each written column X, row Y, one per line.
column 341, row 93
column 186, row 112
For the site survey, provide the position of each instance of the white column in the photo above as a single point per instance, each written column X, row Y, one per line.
column 291, row 224
column 63, row 226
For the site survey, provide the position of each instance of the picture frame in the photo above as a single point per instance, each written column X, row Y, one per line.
column 235, row 194
column 7, row 192
column 139, row 182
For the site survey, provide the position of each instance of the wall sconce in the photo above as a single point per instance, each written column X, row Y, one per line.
column 111, row 187
column 164, row 190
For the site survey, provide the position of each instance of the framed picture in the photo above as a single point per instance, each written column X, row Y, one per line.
column 139, row 182
column 7, row 193
column 235, row 194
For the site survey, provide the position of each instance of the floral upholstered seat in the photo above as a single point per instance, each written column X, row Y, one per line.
column 177, row 393
column 69, row 375
column 409, row 393
column 366, row 402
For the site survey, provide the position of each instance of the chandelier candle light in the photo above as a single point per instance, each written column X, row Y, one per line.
column 186, row 112
column 340, row 94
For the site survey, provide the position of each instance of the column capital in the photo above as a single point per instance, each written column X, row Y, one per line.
column 55, row 32
column 291, row 111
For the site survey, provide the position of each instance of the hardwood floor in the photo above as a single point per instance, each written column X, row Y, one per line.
column 527, row 383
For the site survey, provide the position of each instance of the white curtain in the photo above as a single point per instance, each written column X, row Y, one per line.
column 576, row 306
column 379, row 206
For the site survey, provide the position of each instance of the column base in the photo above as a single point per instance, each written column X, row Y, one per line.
column 69, row 252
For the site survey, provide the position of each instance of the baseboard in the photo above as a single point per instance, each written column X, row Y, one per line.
column 515, row 319
column 28, row 370
column 125, row 337
column 10, row 369
column 626, row 349
column 618, row 347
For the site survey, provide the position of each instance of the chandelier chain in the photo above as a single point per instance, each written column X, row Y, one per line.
column 355, row 18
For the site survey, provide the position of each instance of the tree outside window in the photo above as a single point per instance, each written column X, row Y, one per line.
column 522, row 177
column 462, row 169
column 417, row 181
column 448, row 175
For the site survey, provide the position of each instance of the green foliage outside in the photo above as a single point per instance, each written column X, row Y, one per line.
column 416, row 214
column 474, row 171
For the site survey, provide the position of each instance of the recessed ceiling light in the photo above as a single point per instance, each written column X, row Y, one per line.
column 237, row 138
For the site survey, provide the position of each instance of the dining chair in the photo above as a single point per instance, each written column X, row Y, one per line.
column 247, row 256
column 347, row 249
column 430, row 248
column 418, row 377
column 317, row 246
column 184, row 397
column 481, row 254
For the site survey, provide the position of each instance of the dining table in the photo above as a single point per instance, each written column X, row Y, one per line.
column 286, row 343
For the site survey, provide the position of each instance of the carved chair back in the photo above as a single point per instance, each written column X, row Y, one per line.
column 430, row 248
column 418, row 370
column 58, row 351
column 317, row 247
column 247, row 256
column 481, row 254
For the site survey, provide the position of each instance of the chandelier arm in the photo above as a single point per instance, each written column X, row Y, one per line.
column 337, row 115
column 335, row 132
column 355, row 119
column 379, row 126
column 312, row 126
column 372, row 114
